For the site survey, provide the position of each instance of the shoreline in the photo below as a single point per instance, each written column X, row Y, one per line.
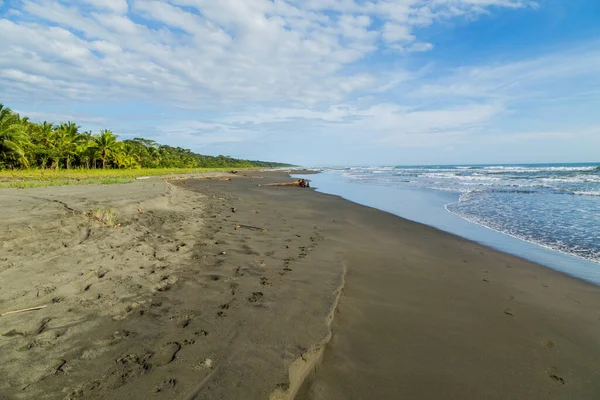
column 194, row 307
column 567, row 263
column 546, row 247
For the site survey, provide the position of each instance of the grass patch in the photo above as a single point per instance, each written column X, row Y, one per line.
column 29, row 178
column 62, row 182
column 105, row 216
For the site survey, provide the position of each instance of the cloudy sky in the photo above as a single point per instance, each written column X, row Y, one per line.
column 316, row 82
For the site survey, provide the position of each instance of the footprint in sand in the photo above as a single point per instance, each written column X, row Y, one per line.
column 166, row 385
column 256, row 297
column 184, row 323
column 265, row 282
column 223, row 308
column 166, row 354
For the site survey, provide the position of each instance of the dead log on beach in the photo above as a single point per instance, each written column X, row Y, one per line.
column 252, row 228
column 23, row 310
column 303, row 183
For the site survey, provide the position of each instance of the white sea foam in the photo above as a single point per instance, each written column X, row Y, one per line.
column 561, row 249
column 587, row 193
column 573, row 179
column 524, row 169
column 459, row 177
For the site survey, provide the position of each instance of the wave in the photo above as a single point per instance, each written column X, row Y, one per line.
column 579, row 180
column 593, row 193
column 573, row 179
column 460, row 177
column 525, row 169
column 553, row 247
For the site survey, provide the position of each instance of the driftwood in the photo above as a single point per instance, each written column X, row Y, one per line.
column 303, row 183
column 252, row 228
column 23, row 310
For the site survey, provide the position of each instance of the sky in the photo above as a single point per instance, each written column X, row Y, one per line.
column 316, row 82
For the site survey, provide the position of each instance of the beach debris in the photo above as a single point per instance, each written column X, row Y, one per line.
column 233, row 172
column 141, row 178
column 226, row 179
column 303, row 183
column 252, row 228
column 233, row 209
column 23, row 310
column 208, row 363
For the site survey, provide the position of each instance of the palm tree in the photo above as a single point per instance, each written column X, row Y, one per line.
column 68, row 139
column 13, row 137
column 42, row 141
column 87, row 150
column 107, row 145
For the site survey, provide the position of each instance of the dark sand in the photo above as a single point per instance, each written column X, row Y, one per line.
column 177, row 303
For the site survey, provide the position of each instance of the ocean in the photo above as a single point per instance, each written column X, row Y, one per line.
column 546, row 213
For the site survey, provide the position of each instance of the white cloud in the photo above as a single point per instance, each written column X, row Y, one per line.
column 397, row 33
column 225, row 53
column 267, row 67
column 420, row 46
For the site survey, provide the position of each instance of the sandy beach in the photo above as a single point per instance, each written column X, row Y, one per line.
column 228, row 289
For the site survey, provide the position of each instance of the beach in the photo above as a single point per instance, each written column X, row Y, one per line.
column 223, row 288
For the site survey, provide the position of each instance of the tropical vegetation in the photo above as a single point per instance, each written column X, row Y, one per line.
column 48, row 146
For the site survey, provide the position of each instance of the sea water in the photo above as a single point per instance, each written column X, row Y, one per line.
column 549, row 213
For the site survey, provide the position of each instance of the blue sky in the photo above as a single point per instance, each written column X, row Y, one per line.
column 316, row 82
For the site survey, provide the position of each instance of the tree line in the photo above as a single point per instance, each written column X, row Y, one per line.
column 26, row 144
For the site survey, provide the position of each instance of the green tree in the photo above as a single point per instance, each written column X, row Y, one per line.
column 107, row 145
column 67, row 142
column 42, row 140
column 86, row 150
column 13, row 139
column 24, row 144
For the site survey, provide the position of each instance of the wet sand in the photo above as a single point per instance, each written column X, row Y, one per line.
column 178, row 303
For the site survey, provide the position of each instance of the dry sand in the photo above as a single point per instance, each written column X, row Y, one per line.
column 178, row 303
